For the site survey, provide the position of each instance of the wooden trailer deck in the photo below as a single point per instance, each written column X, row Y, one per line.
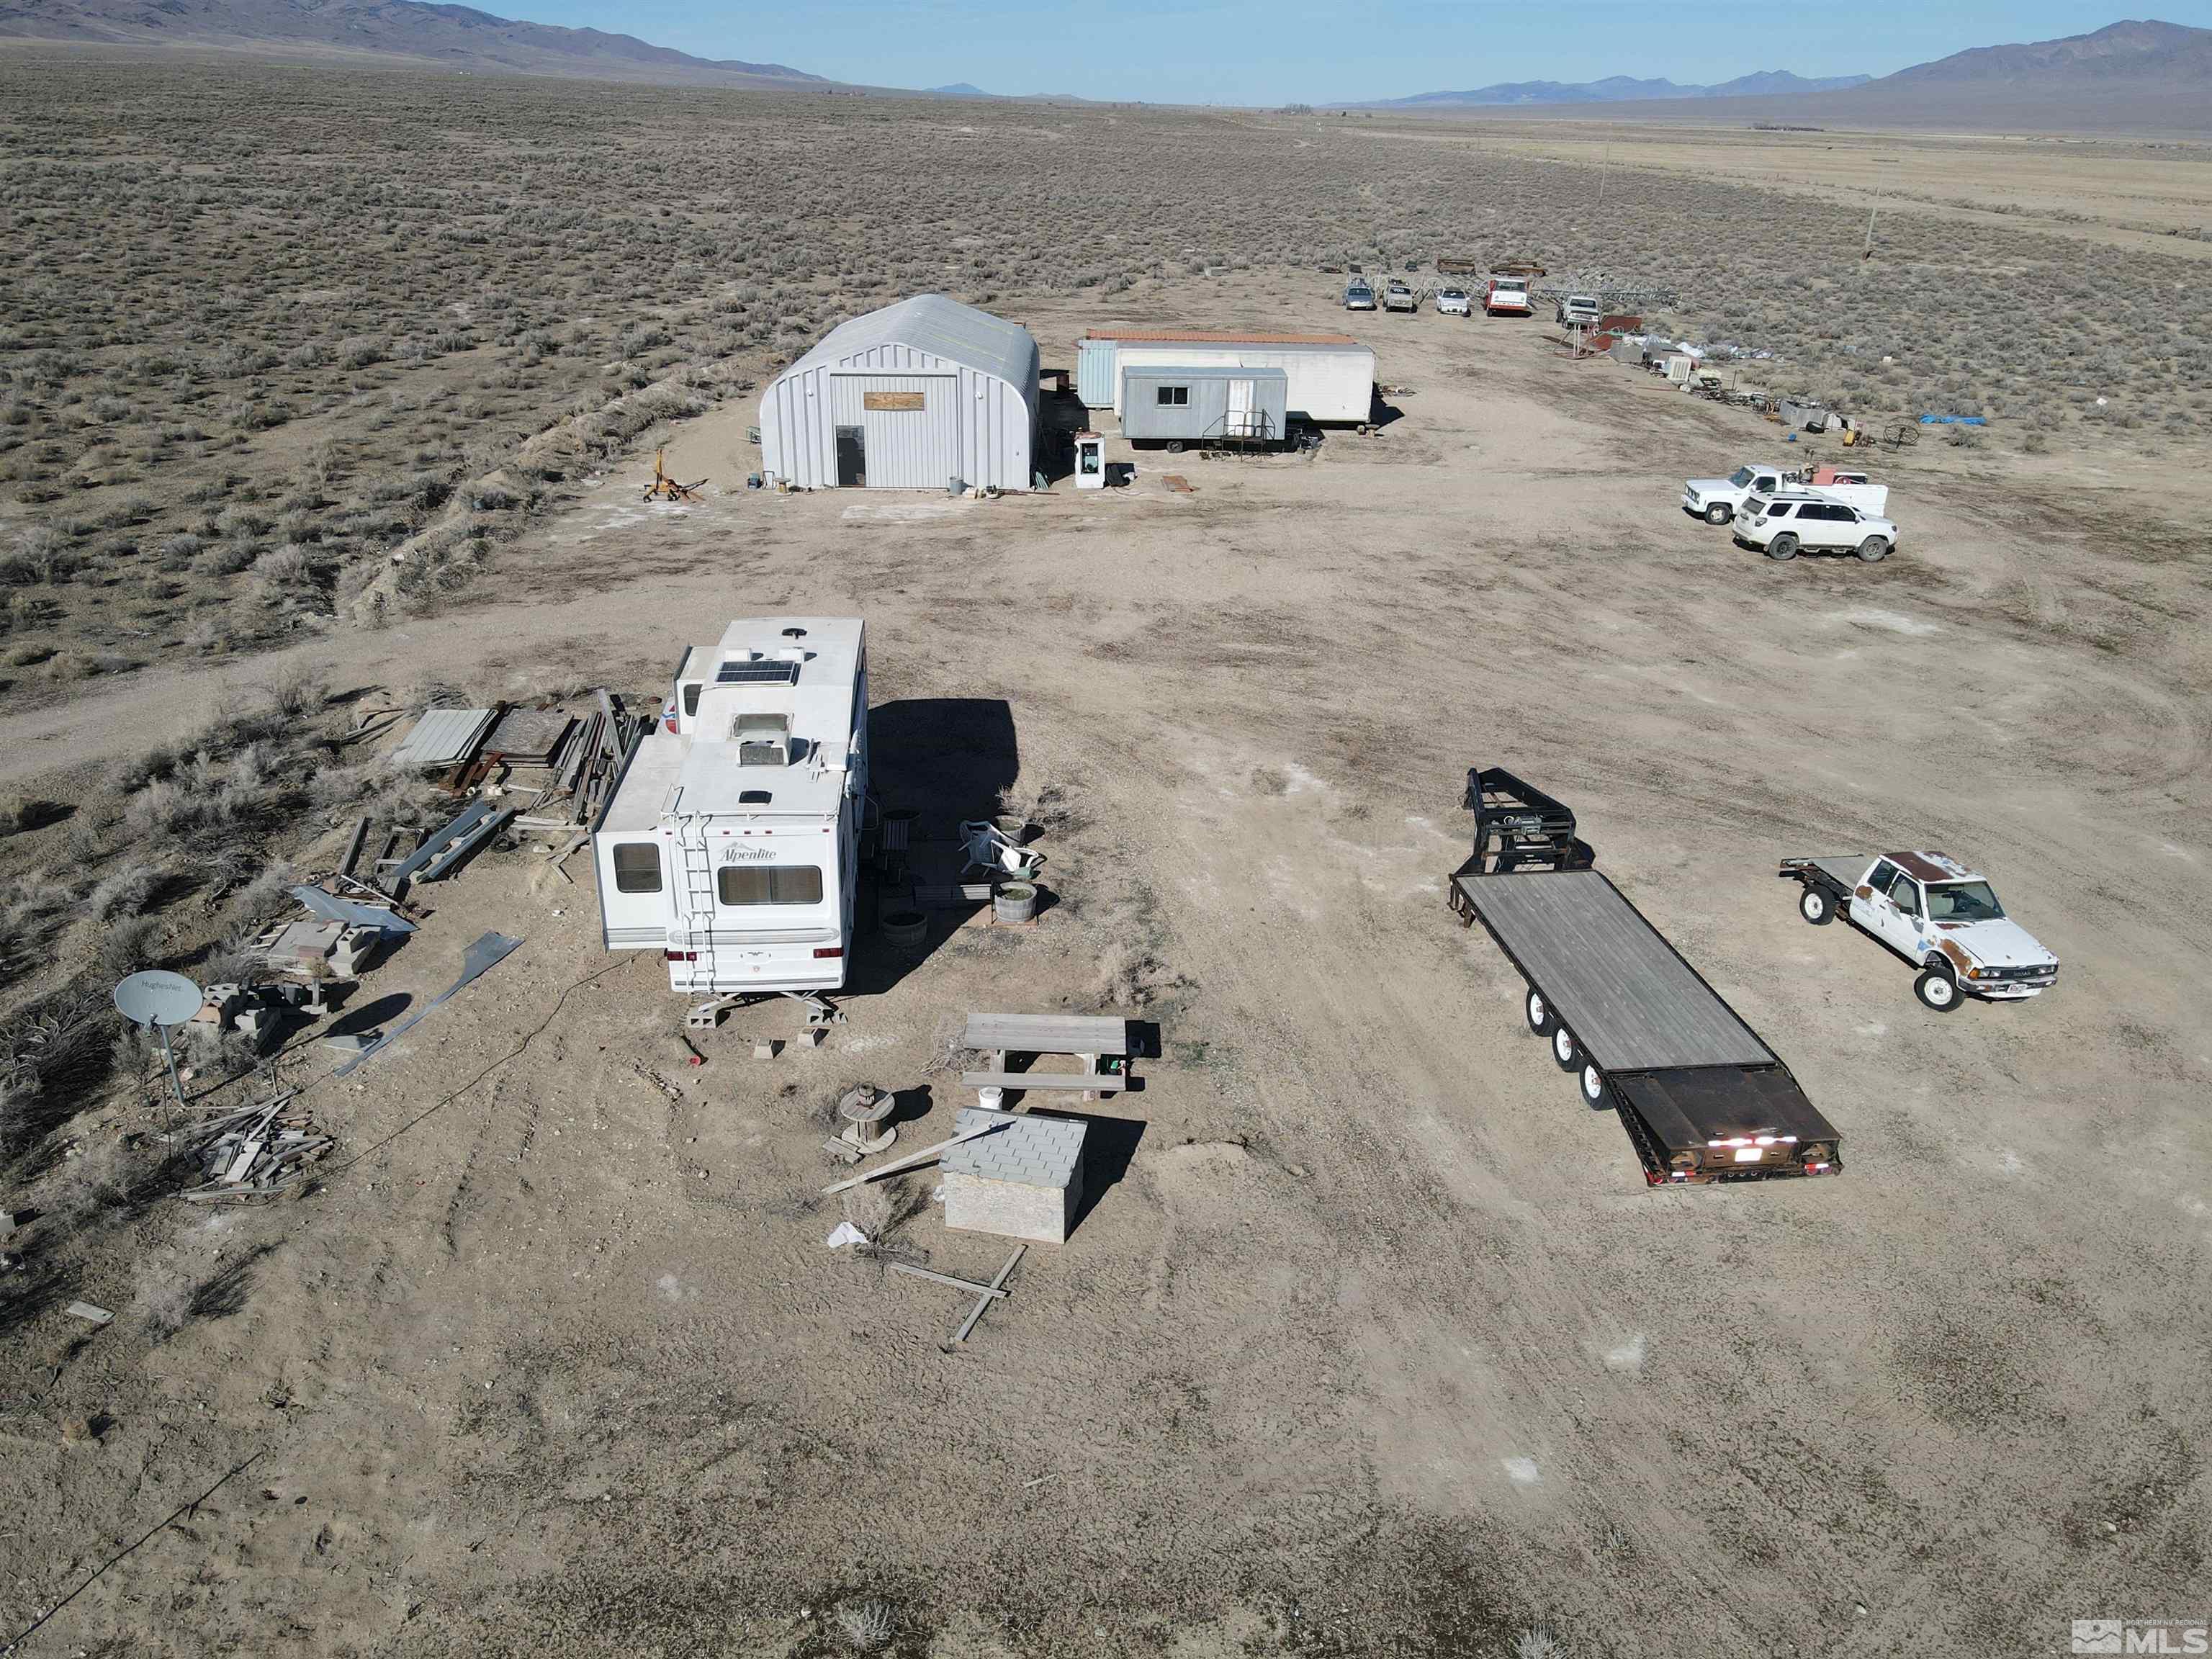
column 1629, row 998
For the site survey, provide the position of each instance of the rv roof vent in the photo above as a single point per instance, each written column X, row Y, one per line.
column 754, row 797
column 793, row 654
column 795, row 633
column 762, row 739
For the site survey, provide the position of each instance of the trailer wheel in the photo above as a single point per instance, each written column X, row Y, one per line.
column 1718, row 513
column 1816, row 907
column 1174, row 445
column 1539, row 1013
column 1937, row 989
column 1594, row 1093
column 1565, row 1049
column 1782, row 547
column 1874, row 549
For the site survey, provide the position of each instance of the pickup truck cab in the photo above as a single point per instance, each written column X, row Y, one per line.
column 1399, row 296
column 1453, row 302
column 1358, row 296
column 1577, row 308
column 1781, row 526
column 1936, row 913
column 1507, row 296
column 1718, row 499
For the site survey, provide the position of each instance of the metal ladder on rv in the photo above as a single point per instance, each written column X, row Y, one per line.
column 698, row 891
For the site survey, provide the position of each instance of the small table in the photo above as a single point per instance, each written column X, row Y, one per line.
column 1089, row 1038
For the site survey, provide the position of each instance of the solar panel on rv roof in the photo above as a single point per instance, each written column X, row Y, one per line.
column 757, row 673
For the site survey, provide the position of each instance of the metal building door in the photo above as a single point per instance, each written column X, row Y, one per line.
column 1239, row 423
column 851, row 458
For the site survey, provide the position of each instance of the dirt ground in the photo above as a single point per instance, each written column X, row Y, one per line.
column 2141, row 194
column 1372, row 1339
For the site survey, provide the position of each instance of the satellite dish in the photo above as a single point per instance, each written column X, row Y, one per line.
column 158, row 998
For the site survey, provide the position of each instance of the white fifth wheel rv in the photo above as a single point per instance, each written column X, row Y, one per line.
column 732, row 842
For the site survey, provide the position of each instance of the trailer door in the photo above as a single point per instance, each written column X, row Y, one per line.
column 1240, row 409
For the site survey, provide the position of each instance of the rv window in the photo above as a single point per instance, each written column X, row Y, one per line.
column 770, row 883
column 691, row 698
column 637, row 866
column 1174, row 397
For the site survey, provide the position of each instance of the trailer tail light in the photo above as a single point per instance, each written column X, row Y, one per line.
column 681, row 955
column 827, row 952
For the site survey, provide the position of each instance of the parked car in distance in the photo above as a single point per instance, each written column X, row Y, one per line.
column 1781, row 526
column 1939, row 915
column 1578, row 308
column 1358, row 296
column 1718, row 499
column 1454, row 302
column 1397, row 296
column 1507, row 296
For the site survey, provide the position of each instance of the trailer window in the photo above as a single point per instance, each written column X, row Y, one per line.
column 691, row 697
column 769, row 884
column 637, row 866
column 1175, row 397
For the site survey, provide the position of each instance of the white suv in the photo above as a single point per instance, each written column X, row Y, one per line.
column 1453, row 302
column 1781, row 524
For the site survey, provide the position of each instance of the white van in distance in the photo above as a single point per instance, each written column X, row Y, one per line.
column 732, row 842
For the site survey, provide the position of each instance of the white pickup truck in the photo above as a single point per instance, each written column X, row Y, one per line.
column 1718, row 499
column 1937, row 915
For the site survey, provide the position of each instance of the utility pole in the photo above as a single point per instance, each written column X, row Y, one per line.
column 1604, row 165
column 1868, row 253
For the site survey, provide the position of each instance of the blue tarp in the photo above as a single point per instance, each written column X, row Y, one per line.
column 1954, row 419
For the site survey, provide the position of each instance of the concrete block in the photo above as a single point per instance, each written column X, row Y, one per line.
column 767, row 1050
column 1011, row 1209
column 812, row 1037
column 356, row 947
column 1024, row 1182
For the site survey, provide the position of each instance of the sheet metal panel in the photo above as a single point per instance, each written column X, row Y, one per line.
column 1094, row 374
column 442, row 736
column 1632, row 1003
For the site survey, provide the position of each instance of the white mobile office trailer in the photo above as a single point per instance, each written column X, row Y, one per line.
column 1329, row 378
column 732, row 842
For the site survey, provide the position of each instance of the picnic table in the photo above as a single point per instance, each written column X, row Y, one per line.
column 1089, row 1038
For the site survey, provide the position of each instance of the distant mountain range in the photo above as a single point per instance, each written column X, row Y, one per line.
column 1618, row 88
column 2132, row 75
column 400, row 31
column 2139, row 74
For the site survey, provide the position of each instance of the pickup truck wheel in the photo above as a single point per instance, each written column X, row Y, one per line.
column 1937, row 989
column 1816, row 907
column 1595, row 1094
column 1718, row 513
column 1565, row 1049
column 1874, row 549
column 1539, row 1011
column 1784, row 546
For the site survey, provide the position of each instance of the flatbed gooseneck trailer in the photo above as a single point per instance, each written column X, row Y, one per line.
column 1702, row 1097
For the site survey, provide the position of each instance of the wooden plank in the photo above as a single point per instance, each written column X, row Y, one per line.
column 895, row 403
column 1099, row 1082
column 968, row 1285
column 353, row 847
column 921, row 1156
column 984, row 1301
column 1048, row 1034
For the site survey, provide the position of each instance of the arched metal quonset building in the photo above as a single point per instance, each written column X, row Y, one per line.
column 911, row 396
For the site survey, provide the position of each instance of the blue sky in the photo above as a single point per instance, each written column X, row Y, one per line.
column 1249, row 51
